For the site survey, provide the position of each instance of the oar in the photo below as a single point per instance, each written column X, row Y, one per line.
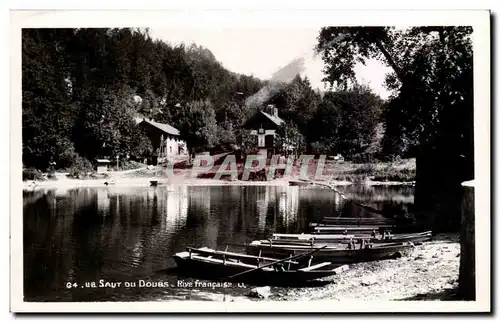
column 367, row 208
column 278, row 261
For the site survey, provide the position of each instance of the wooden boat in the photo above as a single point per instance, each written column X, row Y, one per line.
column 336, row 254
column 344, row 239
column 222, row 265
column 299, row 183
column 374, row 226
column 357, row 221
column 366, row 229
column 335, row 237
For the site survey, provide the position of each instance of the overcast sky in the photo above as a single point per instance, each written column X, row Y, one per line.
column 261, row 52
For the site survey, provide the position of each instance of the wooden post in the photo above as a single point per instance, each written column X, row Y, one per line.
column 467, row 271
column 224, row 259
column 290, row 262
column 190, row 253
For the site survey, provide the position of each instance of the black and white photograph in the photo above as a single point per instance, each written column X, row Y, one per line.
column 253, row 167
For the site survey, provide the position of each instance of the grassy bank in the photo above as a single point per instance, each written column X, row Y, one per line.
column 402, row 170
column 397, row 171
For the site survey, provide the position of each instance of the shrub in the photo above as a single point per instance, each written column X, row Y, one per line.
column 52, row 176
column 130, row 165
column 366, row 169
column 98, row 176
column 391, row 174
column 80, row 167
column 363, row 158
column 32, row 174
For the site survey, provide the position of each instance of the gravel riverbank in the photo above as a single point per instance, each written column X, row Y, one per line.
column 429, row 273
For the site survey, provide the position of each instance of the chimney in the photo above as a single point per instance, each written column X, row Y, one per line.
column 271, row 110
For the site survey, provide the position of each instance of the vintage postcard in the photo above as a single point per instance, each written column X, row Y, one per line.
column 250, row 161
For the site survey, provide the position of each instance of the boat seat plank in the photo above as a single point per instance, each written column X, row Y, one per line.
column 310, row 268
column 360, row 219
column 309, row 236
column 220, row 261
column 374, row 226
column 212, row 252
column 327, row 228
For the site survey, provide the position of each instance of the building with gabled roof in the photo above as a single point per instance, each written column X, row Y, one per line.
column 158, row 132
column 263, row 125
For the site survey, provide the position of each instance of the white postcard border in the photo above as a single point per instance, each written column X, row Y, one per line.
column 479, row 19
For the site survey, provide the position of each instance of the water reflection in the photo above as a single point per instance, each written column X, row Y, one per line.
column 119, row 234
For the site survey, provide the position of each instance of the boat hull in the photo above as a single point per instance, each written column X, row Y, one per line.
column 335, row 255
column 221, row 273
column 415, row 238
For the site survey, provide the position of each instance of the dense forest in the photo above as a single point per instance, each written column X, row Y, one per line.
column 82, row 88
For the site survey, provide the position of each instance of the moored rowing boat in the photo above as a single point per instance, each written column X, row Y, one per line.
column 357, row 221
column 336, row 254
column 343, row 239
column 221, row 265
column 349, row 230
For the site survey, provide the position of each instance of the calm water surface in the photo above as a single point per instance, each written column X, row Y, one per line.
column 130, row 234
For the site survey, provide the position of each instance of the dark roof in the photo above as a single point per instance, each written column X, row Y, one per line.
column 163, row 127
column 275, row 119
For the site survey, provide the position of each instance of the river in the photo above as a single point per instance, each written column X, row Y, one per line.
column 73, row 238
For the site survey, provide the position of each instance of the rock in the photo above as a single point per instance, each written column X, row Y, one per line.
column 397, row 255
column 260, row 292
column 368, row 281
column 341, row 269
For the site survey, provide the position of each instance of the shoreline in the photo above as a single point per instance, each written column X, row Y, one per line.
column 430, row 272
column 146, row 182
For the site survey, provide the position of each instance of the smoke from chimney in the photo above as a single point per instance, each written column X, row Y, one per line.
column 276, row 84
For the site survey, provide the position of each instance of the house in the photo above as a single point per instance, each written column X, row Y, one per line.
column 157, row 132
column 263, row 125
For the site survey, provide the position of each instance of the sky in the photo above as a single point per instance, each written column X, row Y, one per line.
column 261, row 52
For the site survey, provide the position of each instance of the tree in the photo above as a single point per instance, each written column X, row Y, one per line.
column 324, row 128
column 140, row 144
column 432, row 84
column 297, row 102
column 48, row 115
column 247, row 142
column 360, row 111
column 198, row 126
column 289, row 139
column 226, row 134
